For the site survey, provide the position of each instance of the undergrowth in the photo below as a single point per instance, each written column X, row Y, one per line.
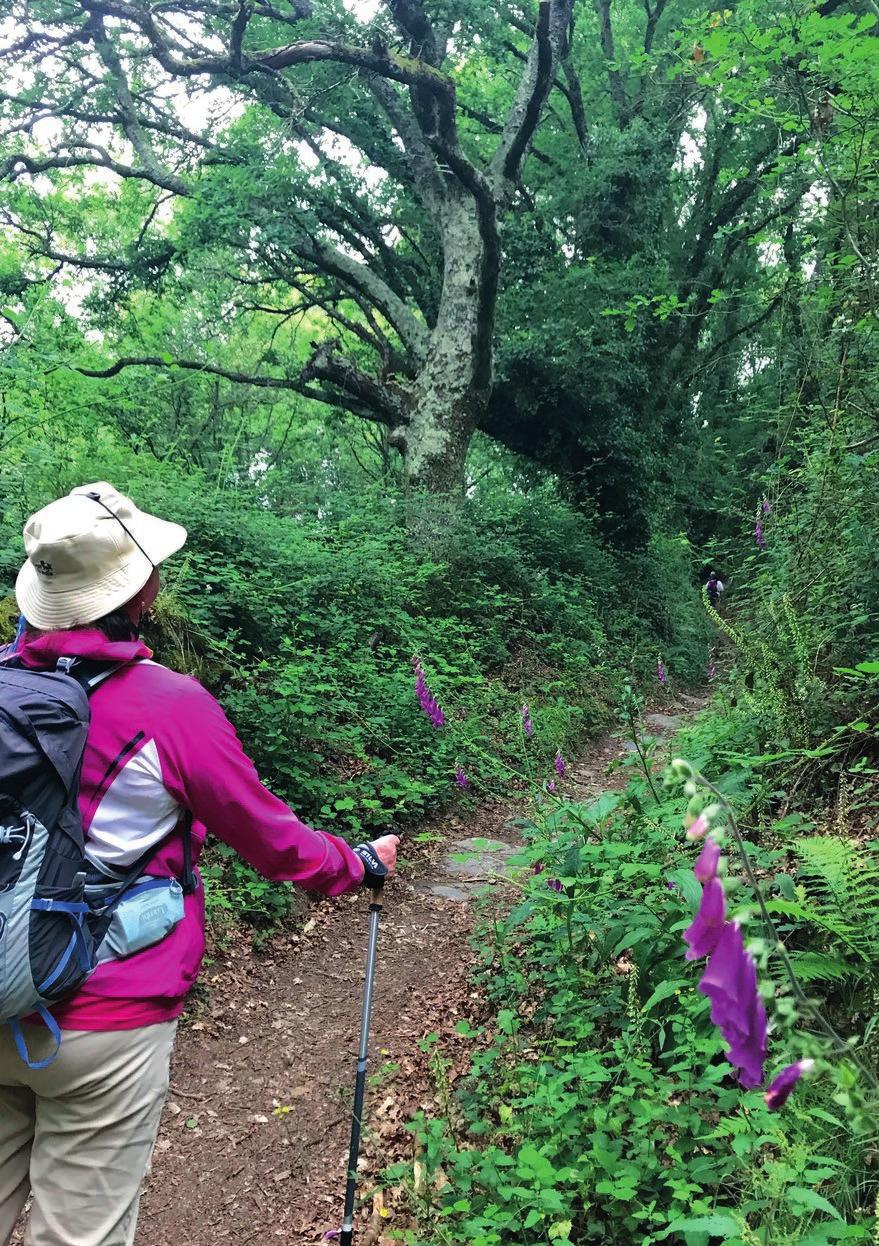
column 599, row 1106
column 305, row 626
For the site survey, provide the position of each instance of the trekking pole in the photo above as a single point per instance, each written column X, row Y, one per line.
column 375, row 908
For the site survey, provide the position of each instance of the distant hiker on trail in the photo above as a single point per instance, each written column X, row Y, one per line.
column 714, row 589
column 161, row 766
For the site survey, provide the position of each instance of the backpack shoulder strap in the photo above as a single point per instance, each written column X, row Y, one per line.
column 89, row 674
column 188, row 881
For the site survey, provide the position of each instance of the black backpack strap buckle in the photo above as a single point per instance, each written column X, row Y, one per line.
column 88, row 674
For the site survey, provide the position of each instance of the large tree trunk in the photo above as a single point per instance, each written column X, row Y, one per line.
column 453, row 386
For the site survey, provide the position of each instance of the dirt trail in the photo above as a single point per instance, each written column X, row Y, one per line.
column 254, row 1137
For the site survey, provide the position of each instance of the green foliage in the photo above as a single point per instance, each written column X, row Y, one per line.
column 809, row 603
column 834, row 910
column 668, row 216
column 599, row 1107
column 305, row 624
column 686, row 325
column 234, row 892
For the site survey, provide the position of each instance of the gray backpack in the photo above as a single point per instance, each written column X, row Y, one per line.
column 51, row 934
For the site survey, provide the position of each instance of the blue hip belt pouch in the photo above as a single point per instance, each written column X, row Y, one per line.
column 145, row 915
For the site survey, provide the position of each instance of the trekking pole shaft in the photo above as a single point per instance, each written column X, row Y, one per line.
column 347, row 1234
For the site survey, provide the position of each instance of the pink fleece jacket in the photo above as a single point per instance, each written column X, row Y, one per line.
column 158, row 744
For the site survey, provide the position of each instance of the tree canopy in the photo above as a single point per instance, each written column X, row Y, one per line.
column 334, row 207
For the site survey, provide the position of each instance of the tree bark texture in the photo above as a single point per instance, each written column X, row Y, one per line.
column 449, row 395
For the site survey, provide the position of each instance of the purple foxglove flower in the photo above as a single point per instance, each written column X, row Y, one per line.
column 697, row 829
column 461, row 778
column 538, row 867
column 766, row 507
column 706, row 928
column 758, row 534
column 779, row 1089
column 660, row 672
column 707, row 861
column 527, row 724
column 730, row 982
column 426, row 699
column 555, row 884
column 559, row 764
column 551, row 787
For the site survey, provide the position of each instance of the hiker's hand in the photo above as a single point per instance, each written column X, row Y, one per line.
column 379, row 860
column 385, row 849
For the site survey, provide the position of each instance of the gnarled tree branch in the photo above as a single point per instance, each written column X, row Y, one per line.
column 615, row 78
column 334, row 399
column 534, row 87
column 328, row 365
column 158, row 174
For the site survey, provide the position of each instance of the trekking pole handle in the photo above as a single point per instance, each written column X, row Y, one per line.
column 374, row 869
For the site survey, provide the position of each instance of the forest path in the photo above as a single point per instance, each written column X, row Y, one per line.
column 254, row 1138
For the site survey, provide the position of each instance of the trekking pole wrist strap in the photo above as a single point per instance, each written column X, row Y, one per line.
column 374, row 870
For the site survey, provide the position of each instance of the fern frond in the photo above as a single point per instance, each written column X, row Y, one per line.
column 822, row 967
column 840, row 892
column 822, row 917
column 827, row 865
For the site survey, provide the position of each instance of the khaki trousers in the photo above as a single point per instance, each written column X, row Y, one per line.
column 79, row 1134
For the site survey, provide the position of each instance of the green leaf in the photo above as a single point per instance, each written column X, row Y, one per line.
column 633, row 938
column 809, row 1198
column 663, row 991
column 507, row 1021
column 716, row 1224
column 601, row 809
column 690, row 886
column 530, row 1163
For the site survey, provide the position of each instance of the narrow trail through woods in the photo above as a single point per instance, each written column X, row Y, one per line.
column 254, row 1138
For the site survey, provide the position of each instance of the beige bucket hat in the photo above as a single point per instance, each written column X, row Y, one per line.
column 87, row 555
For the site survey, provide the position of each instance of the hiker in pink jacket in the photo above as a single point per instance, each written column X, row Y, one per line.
column 78, row 1134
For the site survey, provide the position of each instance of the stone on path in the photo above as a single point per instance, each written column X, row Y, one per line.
column 664, row 722
column 485, row 858
column 445, row 892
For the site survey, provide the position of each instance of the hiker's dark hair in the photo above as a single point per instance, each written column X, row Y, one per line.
column 116, row 626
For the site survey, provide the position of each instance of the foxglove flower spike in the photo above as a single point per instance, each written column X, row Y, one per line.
column 707, row 927
column 707, row 861
column 781, row 1086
